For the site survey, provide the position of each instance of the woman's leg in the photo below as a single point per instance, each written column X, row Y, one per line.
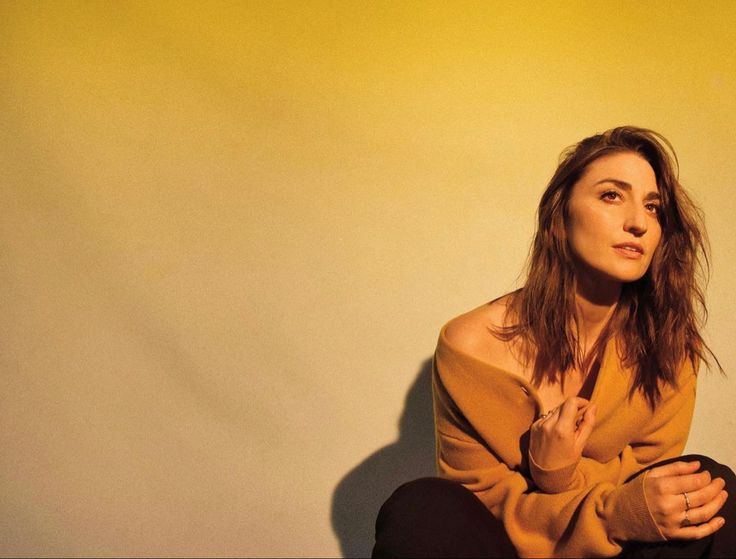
column 434, row 517
column 720, row 544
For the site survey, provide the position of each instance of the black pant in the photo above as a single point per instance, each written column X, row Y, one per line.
column 433, row 517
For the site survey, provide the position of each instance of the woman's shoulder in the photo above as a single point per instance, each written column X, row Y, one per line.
column 472, row 333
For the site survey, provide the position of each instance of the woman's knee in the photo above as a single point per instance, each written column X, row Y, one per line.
column 434, row 517
column 409, row 522
column 423, row 498
column 432, row 489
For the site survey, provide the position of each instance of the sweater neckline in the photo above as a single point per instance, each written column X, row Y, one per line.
column 522, row 382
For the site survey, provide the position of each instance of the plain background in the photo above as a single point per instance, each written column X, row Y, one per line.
column 230, row 233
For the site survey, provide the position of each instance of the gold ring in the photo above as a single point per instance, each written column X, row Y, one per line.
column 687, row 501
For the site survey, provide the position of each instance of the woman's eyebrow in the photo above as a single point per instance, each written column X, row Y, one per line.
column 651, row 195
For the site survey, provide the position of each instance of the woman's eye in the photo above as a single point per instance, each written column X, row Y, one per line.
column 654, row 208
column 610, row 195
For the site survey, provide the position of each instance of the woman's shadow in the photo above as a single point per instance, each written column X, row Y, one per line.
column 363, row 490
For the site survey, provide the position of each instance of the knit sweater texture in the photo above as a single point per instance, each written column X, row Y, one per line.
column 588, row 509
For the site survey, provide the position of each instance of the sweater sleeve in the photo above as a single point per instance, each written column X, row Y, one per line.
column 583, row 512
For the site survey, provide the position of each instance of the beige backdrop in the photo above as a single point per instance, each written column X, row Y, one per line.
column 230, row 233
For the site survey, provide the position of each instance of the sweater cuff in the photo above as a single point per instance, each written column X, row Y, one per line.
column 552, row 481
column 631, row 519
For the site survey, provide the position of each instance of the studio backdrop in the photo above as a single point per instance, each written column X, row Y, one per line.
column 231, row 231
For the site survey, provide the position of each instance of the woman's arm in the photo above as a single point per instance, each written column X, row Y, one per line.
column 664, row 436
column 590, row 520
column 555, row 461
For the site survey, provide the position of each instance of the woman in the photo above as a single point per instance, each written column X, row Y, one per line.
column 561, row 409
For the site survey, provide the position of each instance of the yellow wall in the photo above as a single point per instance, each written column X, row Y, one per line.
column 230, row 233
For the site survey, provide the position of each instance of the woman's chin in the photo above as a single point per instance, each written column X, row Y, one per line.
column 624, row 277
column 602, row 277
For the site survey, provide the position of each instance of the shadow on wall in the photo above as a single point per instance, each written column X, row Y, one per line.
column 363, row 490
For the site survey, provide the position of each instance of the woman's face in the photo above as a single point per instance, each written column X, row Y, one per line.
column 612, row 224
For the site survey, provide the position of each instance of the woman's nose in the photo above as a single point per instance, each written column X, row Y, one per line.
column 636, row 220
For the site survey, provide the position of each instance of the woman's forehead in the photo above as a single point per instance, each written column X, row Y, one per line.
column 624, row 168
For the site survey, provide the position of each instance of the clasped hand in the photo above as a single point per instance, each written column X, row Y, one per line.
column 557, row 438
column 684, row 503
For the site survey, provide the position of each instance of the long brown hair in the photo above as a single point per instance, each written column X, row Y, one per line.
column 658, row 317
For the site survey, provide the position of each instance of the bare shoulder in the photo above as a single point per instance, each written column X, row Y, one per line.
column 472, row 332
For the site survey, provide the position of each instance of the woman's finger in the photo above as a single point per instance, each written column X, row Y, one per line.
column 585, row 427
column 579, row 402
column 704, row 513
column 698, row 532
column 678, row 468
column 544, row 417
column 705, row 495
column 676, row 485
column 568, row 414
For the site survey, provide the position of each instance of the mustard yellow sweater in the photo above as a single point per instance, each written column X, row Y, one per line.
column 482, row 419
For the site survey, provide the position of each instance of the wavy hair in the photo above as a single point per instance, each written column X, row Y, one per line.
column 658, row 318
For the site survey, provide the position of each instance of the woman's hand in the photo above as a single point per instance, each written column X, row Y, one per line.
column 558, row 437
column 683, row 503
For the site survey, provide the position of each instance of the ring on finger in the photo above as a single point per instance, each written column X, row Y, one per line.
column 687, row 501
column 686, row 520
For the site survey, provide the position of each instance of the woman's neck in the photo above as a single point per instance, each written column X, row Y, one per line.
column 595, row 302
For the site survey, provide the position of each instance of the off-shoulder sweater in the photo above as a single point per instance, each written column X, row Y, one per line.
column 482, row 419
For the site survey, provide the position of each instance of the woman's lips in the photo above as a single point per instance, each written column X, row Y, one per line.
column 629, row 251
